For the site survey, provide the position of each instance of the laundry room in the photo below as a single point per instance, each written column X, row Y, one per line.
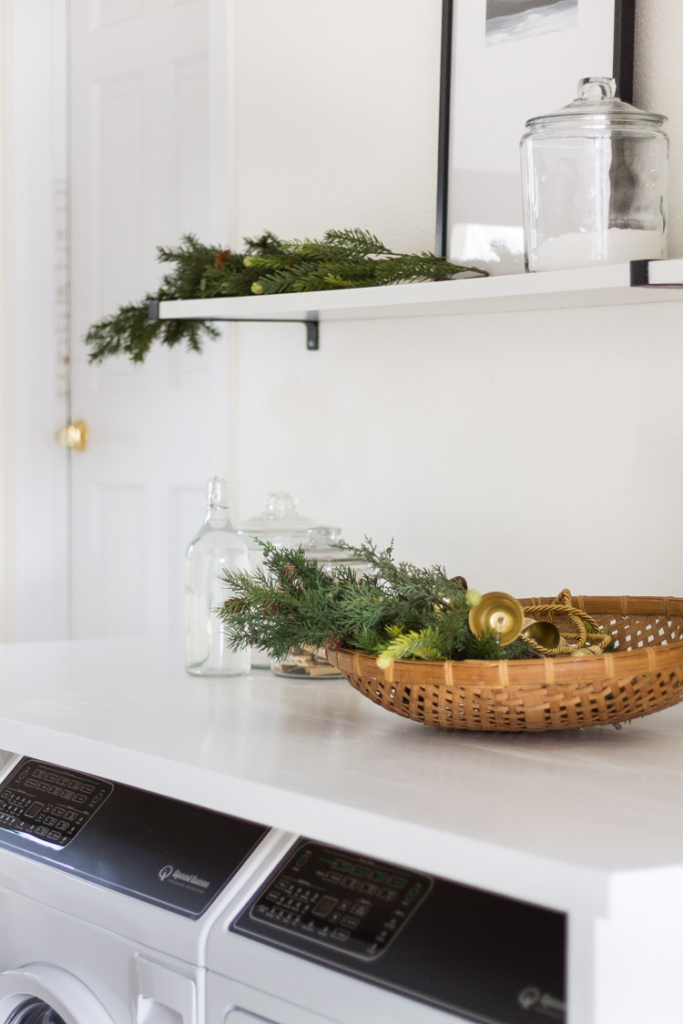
column 329, row 330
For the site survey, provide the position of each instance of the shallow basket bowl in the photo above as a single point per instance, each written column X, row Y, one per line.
column 644, row 675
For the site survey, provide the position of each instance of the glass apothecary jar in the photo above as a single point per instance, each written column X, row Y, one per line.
column 309, row 662
column 280, row 523
column 594, row 182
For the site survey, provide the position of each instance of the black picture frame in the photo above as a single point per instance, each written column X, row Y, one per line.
column 622, row 71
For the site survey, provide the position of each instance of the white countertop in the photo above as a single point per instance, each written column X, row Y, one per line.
column 549, row 817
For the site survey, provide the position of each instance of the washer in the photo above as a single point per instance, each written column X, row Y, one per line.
column 108, row 895
column 331, row 935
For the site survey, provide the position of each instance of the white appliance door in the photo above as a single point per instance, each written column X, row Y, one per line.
column 149, row 134
column 41, row 994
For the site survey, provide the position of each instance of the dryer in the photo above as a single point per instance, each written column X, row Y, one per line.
column 108, row 894
column 331, row 935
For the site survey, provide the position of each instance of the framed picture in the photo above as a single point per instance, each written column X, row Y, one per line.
column 503, row 62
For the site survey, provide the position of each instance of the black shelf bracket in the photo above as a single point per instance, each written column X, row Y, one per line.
column 312, row 323
column 640, row 275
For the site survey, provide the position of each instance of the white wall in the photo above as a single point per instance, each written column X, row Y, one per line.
column 526, row 451
column 336, row 117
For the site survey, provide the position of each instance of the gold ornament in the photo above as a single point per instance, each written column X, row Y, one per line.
column 501, row 614
column 585, row 640
column 544, row 633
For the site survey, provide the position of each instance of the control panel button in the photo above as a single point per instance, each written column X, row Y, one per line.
column 325, row 906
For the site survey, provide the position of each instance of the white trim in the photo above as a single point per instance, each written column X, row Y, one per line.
column 4, row 416
column 35, row 476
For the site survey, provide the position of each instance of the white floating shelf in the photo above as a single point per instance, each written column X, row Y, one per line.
column 643, row 281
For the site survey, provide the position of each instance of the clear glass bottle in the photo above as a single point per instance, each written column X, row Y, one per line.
column 216, row 547
column 594, row 182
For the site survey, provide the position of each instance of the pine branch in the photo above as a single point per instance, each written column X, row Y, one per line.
column 351, row 242
column 393, row 610
column 129, row 331
column 351, row 258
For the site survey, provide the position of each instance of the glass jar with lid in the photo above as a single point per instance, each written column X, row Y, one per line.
column 594, row 178
column 309, row 662
column 280, row 524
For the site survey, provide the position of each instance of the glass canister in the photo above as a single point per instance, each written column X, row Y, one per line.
column 594, row 182
column 281, row 524
column 308, row 662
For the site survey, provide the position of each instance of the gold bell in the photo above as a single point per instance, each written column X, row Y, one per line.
column 501, row 614
column 544, row 633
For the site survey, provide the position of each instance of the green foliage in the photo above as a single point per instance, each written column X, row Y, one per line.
column 341, row 259
column 130, row 331
column 395, row 610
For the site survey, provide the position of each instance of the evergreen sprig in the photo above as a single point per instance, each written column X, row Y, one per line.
column 351, row 258
column 394, row 610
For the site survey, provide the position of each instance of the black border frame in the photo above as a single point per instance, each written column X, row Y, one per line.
column 622, row 70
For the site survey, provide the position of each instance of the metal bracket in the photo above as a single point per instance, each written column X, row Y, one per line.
column 312, row 323
column 312, row 335
column 655, row 274
column 640, row 273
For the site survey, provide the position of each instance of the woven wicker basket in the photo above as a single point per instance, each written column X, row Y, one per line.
column 645, row 675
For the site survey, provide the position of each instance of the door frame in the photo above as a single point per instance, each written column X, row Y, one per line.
column 34, row 381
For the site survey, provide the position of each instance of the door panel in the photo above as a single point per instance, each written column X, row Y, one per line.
column 148, row 125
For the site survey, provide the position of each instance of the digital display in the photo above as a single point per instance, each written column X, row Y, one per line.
column 51, row 804
column 344, row 902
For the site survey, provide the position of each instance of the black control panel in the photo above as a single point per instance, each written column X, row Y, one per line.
column 51, row 804
column 340, row 900
column 150, row 847
column 477, row 954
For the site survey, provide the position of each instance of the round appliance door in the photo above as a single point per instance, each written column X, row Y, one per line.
column 35, row 1011
column 42, row 994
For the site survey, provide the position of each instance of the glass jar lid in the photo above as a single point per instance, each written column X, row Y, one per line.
column 281, row 523
column 597, row 99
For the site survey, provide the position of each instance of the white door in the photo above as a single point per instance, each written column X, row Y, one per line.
column 149, row 138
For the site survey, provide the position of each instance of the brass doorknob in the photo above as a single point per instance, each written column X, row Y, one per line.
column 74, row 435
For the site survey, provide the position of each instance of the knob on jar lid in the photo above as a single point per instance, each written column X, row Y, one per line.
column 597, row 97
column 280, row 514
